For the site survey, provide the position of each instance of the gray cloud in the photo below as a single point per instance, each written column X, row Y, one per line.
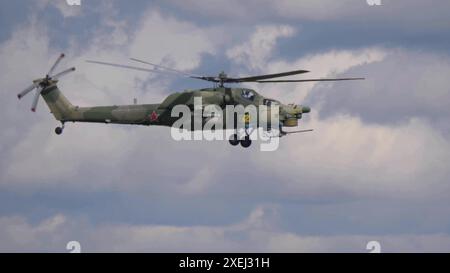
column 402, row 13
column 255, row 233
column 123, row 188
column 403, row 85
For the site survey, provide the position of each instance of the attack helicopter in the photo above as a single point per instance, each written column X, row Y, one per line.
column 159, row 114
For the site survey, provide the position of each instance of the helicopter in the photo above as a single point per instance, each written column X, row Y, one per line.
column 159, row 114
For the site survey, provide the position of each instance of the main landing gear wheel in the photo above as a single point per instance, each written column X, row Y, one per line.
column 234, row 140
column 59, row 130
column 246, row 142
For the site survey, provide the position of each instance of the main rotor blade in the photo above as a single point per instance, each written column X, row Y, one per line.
column 60, row 74
column 166, row 68
column 268, row 76
column 36, row 99
column 207, row 78
column 312, row 80
column 27, row 90
column 131, row 67
column 56, row 64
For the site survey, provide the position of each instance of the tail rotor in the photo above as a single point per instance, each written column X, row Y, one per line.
column 40, row 84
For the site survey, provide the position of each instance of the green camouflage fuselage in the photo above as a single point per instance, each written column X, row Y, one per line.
column 160, row 114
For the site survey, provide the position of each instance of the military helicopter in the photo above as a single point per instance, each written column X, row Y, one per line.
column 160, row 113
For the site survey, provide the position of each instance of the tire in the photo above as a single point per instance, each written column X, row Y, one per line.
column 234, row 140
column 58, row 130
column 247, row 142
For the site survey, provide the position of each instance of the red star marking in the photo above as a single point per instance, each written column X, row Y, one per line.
column 154, row 116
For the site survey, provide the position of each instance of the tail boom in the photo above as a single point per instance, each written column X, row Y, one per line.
column 64, row 111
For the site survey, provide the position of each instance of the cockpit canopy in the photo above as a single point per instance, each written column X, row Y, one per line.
column 248, row 94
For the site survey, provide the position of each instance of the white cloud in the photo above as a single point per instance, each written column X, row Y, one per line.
column 404, row 84
column 171, row 42
column 344, row 155
column 255, row 53
column 330, row 64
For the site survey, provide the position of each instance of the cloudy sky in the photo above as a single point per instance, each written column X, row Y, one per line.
column 375, row 168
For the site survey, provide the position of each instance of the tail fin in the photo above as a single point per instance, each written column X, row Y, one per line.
column 59, row 105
